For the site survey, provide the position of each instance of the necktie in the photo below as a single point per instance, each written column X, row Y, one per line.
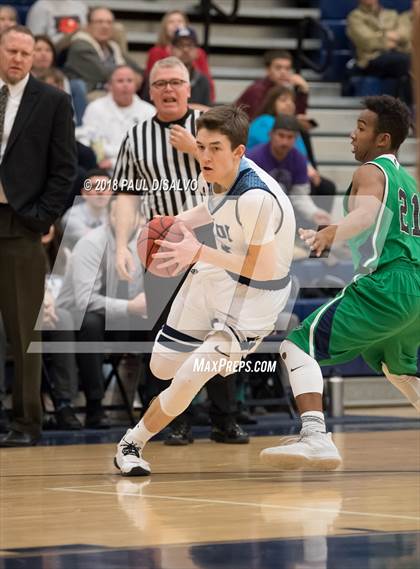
column 4, row 95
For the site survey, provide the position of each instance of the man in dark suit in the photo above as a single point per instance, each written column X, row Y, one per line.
column 37, row 167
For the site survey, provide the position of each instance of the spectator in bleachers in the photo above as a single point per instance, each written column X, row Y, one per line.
column 58, row 20
column 279, row 71
column 185, row 47
column 91, row 211
column 93, row 53
column 44, row 60
column 107, row 120
column 8, row 17
column 61, row 368
column 170, row 22
column 382, row 50
column 280, row 100
column 405, row 28
column 90, row 292
column 289, row 167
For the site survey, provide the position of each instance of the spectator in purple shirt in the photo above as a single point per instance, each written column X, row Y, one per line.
column 289, row 167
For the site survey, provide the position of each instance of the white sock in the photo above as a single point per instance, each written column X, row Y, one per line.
column 140, row 434
column 313, row 422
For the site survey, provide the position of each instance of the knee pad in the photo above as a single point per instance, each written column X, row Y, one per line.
column 305, row 375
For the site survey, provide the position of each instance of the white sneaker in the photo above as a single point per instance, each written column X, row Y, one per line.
column 312, row 451
column 128, row 458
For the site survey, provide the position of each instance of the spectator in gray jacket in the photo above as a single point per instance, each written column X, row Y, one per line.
column 93, row 54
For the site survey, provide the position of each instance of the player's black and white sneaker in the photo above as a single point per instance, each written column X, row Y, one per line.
column 128, row 458
column 309, row 451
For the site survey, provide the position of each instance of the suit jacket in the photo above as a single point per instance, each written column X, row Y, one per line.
column 39, row 163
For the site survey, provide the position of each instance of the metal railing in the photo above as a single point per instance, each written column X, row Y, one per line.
column 209, row 9
column 306, row 26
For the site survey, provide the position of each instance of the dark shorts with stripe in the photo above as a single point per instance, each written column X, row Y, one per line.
column 376, row 317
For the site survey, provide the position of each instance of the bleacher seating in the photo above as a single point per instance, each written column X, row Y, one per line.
column 333, row 14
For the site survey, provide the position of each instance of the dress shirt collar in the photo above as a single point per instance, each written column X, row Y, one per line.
column 17, row 89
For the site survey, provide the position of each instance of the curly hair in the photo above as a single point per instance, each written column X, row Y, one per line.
column 393, row 117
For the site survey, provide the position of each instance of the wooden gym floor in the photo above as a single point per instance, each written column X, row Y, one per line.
column 210, row 505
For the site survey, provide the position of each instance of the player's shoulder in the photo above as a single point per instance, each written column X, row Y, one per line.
column 368, row 172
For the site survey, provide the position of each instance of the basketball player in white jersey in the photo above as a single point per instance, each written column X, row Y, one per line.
column 232, row 296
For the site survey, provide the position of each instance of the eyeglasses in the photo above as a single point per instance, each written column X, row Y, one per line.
column 174, row 83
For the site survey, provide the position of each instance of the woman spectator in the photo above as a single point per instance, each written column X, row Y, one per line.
column 279, row 99
column 170, row 22
column 44, row 59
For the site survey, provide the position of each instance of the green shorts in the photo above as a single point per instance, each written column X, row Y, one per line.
column 376, row 317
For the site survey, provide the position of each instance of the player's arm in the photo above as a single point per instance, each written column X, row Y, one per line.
column 257, row 264
column 126, row 208
column 195, row 217
column 256, row 217
column 367, row 195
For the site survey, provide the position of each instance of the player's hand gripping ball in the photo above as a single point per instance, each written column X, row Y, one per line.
column 164, row 228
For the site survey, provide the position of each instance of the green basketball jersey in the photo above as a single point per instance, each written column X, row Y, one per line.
column 395, row 236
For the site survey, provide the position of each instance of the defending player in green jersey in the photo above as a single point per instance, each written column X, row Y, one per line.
column 377, row 316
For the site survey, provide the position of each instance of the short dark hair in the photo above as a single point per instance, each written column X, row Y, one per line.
column 46, row 39
column 94, row 9
column 97, row 172
column 393, row 117
column 286, row 122
column 229, row 120
column 18, row 29
column 270, row 56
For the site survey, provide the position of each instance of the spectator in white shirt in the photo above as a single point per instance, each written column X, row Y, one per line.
column 107, row 120
column 91, row 211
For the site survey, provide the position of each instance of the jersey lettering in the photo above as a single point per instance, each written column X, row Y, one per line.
column 222, row 231
column 415, row 201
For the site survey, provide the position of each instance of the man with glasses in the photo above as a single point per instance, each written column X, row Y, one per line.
column 157, row 170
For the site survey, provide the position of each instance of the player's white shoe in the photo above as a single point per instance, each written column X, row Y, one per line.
column 310, row 451
column 128, row 458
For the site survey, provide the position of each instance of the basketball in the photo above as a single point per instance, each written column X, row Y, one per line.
column 158, row 228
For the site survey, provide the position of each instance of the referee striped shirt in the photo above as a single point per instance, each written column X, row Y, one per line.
column 149, row 166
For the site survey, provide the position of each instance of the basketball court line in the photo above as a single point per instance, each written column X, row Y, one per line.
column 235, row 503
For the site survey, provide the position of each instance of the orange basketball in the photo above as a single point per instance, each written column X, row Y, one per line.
column 158, row 228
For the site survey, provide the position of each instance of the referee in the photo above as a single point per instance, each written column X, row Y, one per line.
column 156, row 164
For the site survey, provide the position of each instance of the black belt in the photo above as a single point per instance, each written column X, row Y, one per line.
column 276, row 284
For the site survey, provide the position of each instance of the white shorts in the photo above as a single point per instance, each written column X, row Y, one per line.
column 210, row 300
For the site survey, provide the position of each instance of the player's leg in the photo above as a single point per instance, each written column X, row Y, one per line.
column 314, row 449
column 397, row 359
column 310, row 342
column 409, row 385
column 202, row 364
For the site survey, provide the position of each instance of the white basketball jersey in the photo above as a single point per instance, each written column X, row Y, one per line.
column 254, row 211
